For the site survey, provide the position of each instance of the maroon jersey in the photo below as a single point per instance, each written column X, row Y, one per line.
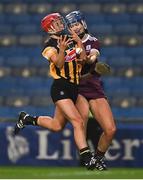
column 91, row 88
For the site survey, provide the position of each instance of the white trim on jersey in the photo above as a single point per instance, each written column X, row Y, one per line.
column 89, row 37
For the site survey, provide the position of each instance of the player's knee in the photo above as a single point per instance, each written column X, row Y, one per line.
column 78, row 123
column 110, row 132
column 57, row 128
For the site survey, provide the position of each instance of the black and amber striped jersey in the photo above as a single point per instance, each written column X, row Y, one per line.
column 71, row 69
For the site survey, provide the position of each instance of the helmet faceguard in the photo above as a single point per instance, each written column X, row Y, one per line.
column 75, row 16
column 53, row 23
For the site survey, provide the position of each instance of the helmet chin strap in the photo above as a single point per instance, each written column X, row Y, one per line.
column 82, row 35
column 85, row 29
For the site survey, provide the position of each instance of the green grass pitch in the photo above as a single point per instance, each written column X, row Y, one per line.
column 68, row 173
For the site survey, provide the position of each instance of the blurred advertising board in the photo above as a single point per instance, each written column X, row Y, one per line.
column 37, row 146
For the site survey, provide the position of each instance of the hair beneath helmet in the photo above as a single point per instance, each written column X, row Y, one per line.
column 76, row 16
column 47, row 22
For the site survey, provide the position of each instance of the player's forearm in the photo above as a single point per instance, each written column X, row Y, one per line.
column 92, row 57
column 60, row 59
column 86, row 76
column 83, row 52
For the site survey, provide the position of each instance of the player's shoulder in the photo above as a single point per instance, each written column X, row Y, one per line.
column 50, row 42
column 92, row 38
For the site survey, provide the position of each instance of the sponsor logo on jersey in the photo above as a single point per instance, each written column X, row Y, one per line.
column 70, row 55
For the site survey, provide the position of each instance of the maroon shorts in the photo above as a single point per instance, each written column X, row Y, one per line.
column 91, row 88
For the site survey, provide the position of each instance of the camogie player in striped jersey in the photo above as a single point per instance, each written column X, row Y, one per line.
column 65, row 56
column 90, row 88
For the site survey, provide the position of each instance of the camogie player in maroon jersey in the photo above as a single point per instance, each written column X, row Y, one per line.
column 90, row 88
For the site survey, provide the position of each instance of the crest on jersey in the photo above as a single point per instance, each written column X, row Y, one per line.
column 88, row 47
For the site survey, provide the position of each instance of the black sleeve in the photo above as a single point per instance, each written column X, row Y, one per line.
column 50, row 42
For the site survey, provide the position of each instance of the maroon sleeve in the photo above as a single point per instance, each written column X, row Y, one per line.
column 95, row 44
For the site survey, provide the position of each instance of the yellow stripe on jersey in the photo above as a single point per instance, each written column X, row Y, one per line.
column 70, row 74
column 78, row 71
column 70, row 71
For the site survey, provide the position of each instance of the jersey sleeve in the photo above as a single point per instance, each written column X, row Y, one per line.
column 95, row 45
column 49, row 49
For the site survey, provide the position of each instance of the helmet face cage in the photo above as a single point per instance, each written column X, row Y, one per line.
column 53, row 23
column 75, row 16
column 57, row 25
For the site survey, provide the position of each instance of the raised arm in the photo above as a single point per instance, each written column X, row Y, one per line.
column 53, row 55
column 80, row 47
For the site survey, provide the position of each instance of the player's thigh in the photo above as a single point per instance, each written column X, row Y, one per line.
column 102, row 112
column 70, row 111
column 83, row 107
